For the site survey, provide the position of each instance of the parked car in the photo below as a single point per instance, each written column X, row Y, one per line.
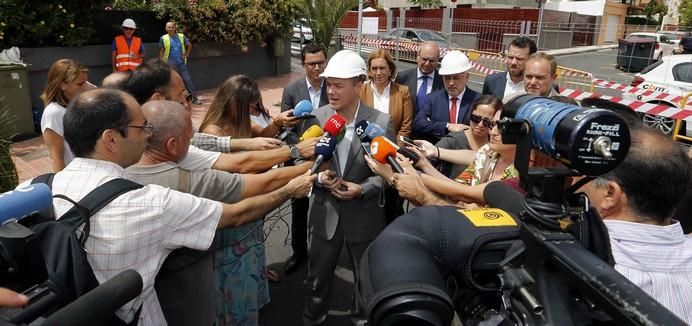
column 671, row 75
column 420, row 35
column 674, row 37
column 301, row 32
column 663, row 45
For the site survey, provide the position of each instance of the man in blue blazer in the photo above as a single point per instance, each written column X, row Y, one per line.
column 425, row 74
column 449, row 109
column 501, row 84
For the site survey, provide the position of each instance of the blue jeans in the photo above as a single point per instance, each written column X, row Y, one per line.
column 181, row 68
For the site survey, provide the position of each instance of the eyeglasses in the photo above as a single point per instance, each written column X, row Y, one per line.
column 128, row 29
column 147, row 127
column 490, row 124
column 188, row 96
column 315, row 64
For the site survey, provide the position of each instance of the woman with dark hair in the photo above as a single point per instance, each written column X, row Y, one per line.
column 235, row 102
column 473, row 138
column 239, row 256
column 66, row 79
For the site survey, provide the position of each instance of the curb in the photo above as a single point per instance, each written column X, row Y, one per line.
column 559, row 52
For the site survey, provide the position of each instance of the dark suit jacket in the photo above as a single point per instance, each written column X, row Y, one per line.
column 296, row 92
column 494, row 84
column 410, row 78
column 362, row 219
column 400, row 108
column 430, row 123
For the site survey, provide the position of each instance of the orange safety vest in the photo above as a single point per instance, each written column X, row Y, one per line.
column 127, row 57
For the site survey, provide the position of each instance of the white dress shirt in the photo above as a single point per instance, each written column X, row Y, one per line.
column 343, row 147
column 431, row 78
column 380, row 101
column 315, row 94
column 449, row 107
column 656, row 258
column 512, row 88
column 137, row 230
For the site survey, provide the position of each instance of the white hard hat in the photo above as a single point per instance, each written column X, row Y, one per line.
column 345, row 64
column 129, row 23
column 454, row 62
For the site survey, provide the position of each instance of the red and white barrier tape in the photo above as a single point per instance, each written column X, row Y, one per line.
column 642, row 107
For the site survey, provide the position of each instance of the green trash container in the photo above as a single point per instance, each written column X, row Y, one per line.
column 14, row 95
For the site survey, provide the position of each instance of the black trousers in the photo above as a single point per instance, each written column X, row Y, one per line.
column 299, row 225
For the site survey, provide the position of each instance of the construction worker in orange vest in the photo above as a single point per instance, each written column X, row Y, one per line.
column 128, row 50
column 174, row 48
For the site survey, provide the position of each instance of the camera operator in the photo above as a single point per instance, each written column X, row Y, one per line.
column 636, row 201
column 9, row 298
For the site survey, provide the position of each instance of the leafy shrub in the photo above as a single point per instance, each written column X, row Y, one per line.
column 35, row 23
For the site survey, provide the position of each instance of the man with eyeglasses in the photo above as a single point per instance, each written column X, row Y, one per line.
column 447, row 110
column 137, row 230
column 503, row 84
column 425, row 78
column 128, row 50
column 314, row 89
column 186, row 287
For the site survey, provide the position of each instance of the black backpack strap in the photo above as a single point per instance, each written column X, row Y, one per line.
column 93, row 202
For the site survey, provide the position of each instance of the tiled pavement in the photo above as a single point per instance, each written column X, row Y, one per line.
column 31, row 156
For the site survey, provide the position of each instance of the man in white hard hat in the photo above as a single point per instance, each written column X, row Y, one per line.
column 344, row 206
column 128, row 50
column 449, row 109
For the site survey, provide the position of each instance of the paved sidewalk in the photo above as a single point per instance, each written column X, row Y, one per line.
column 31, row 156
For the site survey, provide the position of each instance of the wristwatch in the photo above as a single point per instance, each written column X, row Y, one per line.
column 295, row 152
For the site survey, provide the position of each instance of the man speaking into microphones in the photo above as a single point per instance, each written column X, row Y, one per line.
column 344, row 205
column 312, row 89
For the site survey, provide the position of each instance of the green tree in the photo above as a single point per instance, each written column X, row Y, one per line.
column 324, row 16
column 655, row 7
column 685, row 11
column 426, row 3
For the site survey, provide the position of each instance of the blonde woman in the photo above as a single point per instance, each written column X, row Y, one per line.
column 66, row 79
column 385, row 95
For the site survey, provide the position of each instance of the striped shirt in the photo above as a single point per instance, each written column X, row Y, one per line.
column 212, row 143
column 137, row 230
column 656, row 258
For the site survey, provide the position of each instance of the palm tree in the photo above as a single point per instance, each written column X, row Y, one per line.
column 324, row 16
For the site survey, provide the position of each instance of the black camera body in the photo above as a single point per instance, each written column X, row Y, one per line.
column 555, row 269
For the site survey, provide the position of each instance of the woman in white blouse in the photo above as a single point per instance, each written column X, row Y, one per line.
column 66, row 79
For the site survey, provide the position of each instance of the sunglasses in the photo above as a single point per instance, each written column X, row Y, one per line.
column 490, row 124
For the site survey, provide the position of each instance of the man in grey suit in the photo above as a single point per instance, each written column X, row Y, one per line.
column 426, row 74
column 501, row 84
column 313, row 89
column 344, row 206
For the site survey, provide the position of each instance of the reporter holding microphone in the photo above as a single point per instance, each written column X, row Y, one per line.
column 344, row 204
column 312, row 88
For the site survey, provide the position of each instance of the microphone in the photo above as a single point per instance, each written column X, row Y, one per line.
column 500, row 195
column 313, row 132
column 324, row 149
column 99, row 305
column 303, row 108
column 384, row 151
column 360, row 129
column 24, row 201
column 371, row 132
column 334, row 125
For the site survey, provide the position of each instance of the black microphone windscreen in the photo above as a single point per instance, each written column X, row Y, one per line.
column 99, row 305
column 500, row 195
